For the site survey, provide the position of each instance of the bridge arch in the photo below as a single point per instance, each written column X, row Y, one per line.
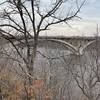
column 64, row 43
column 91, row 45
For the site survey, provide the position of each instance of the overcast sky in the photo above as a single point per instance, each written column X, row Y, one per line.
column 90, row 14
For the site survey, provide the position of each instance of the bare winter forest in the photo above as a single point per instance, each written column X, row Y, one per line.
column 42, row 67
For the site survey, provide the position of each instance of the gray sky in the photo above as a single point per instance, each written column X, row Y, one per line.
column 90, row 14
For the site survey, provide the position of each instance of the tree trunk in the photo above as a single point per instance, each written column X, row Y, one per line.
column 30, row 66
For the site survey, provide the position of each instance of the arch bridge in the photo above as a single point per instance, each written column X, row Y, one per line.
column 75, row 44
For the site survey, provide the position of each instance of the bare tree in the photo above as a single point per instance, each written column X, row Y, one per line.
column 25, row 19
column 85, row 70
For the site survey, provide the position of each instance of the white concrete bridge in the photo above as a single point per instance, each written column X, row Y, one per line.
column 75, row 44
